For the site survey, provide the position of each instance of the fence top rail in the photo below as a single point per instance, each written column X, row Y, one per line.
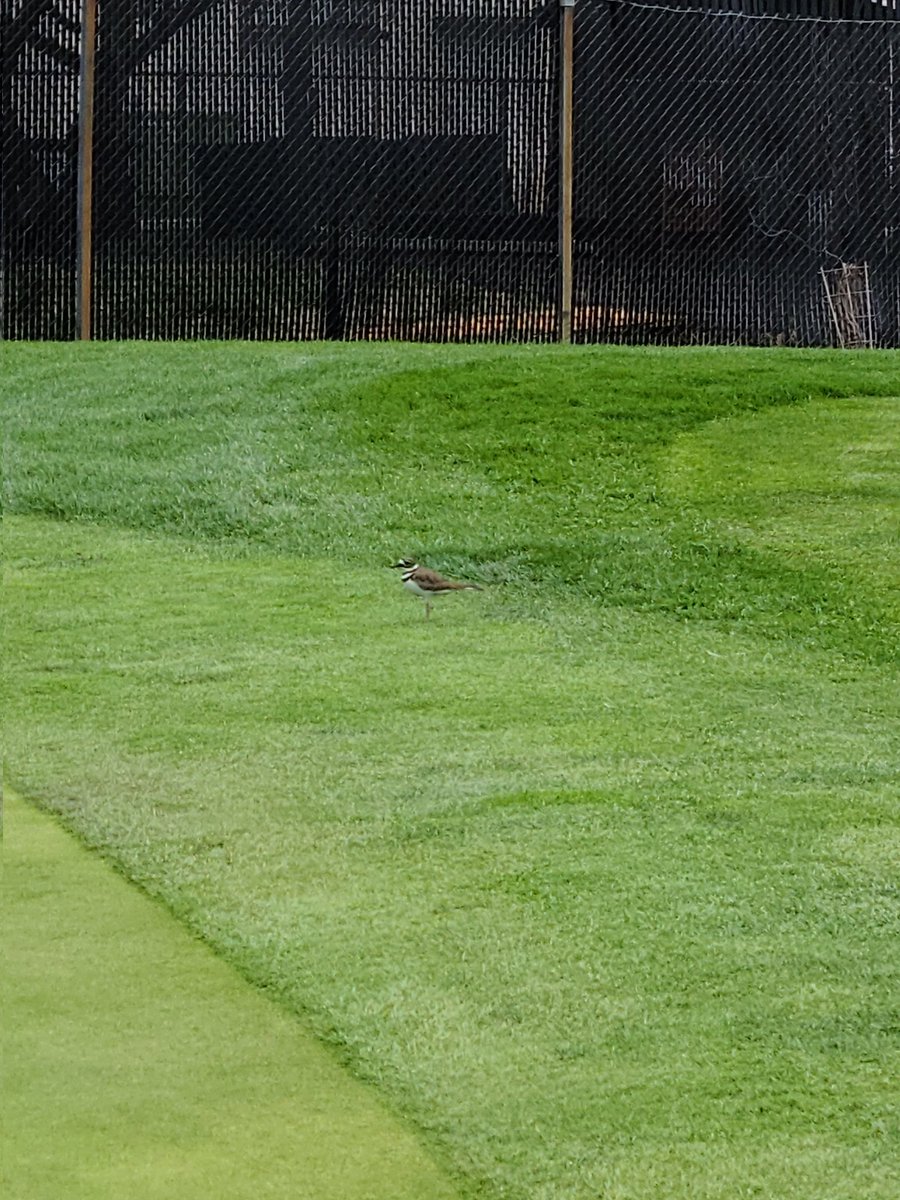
column 828, row 12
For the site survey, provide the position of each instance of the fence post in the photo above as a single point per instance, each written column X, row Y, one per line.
column 84, row 280
column 566, row 72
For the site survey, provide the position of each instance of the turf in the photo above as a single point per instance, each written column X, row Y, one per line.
column 137, row 1064
column 593, row 874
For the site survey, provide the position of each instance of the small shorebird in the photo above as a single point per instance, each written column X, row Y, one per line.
column 422, row 581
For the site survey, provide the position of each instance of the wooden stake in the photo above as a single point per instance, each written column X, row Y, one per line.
column 567, row 24
column 86, row 169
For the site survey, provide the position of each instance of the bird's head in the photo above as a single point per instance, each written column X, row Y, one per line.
column 405, row 564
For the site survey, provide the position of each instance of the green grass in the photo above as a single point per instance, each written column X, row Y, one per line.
column 594, row 874
column 137, row 1064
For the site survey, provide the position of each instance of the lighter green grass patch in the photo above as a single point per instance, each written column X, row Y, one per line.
column 819, row 482
column 137, row 1064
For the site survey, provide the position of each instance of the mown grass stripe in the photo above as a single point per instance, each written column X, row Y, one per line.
column 139, row 1064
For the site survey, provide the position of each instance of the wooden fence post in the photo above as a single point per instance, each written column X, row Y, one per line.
column 84, row 273
column 566, row 72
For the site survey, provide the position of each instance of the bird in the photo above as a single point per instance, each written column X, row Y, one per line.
column 424, row 582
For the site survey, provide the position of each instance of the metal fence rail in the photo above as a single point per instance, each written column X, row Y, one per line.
column 402, row 169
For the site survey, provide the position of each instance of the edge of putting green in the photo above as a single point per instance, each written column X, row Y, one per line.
column 139, row 1064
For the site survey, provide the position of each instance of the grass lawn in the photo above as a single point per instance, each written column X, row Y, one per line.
column 594, row 874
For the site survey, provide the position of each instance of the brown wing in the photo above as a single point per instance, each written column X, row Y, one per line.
column 431, row 581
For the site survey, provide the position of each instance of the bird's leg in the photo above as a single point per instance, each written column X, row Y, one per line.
column 427, row 609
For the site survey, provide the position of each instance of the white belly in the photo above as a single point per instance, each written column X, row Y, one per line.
column 412, row 586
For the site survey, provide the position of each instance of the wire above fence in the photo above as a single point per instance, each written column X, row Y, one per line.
column 410, row 169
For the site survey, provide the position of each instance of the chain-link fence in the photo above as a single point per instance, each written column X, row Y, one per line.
column 391, row 169
column 38, row 197
column 726, row 161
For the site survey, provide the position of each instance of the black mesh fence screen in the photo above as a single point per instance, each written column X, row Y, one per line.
column 324, row 169
column 390, row 169
column 39, row 45
column 724, row 162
